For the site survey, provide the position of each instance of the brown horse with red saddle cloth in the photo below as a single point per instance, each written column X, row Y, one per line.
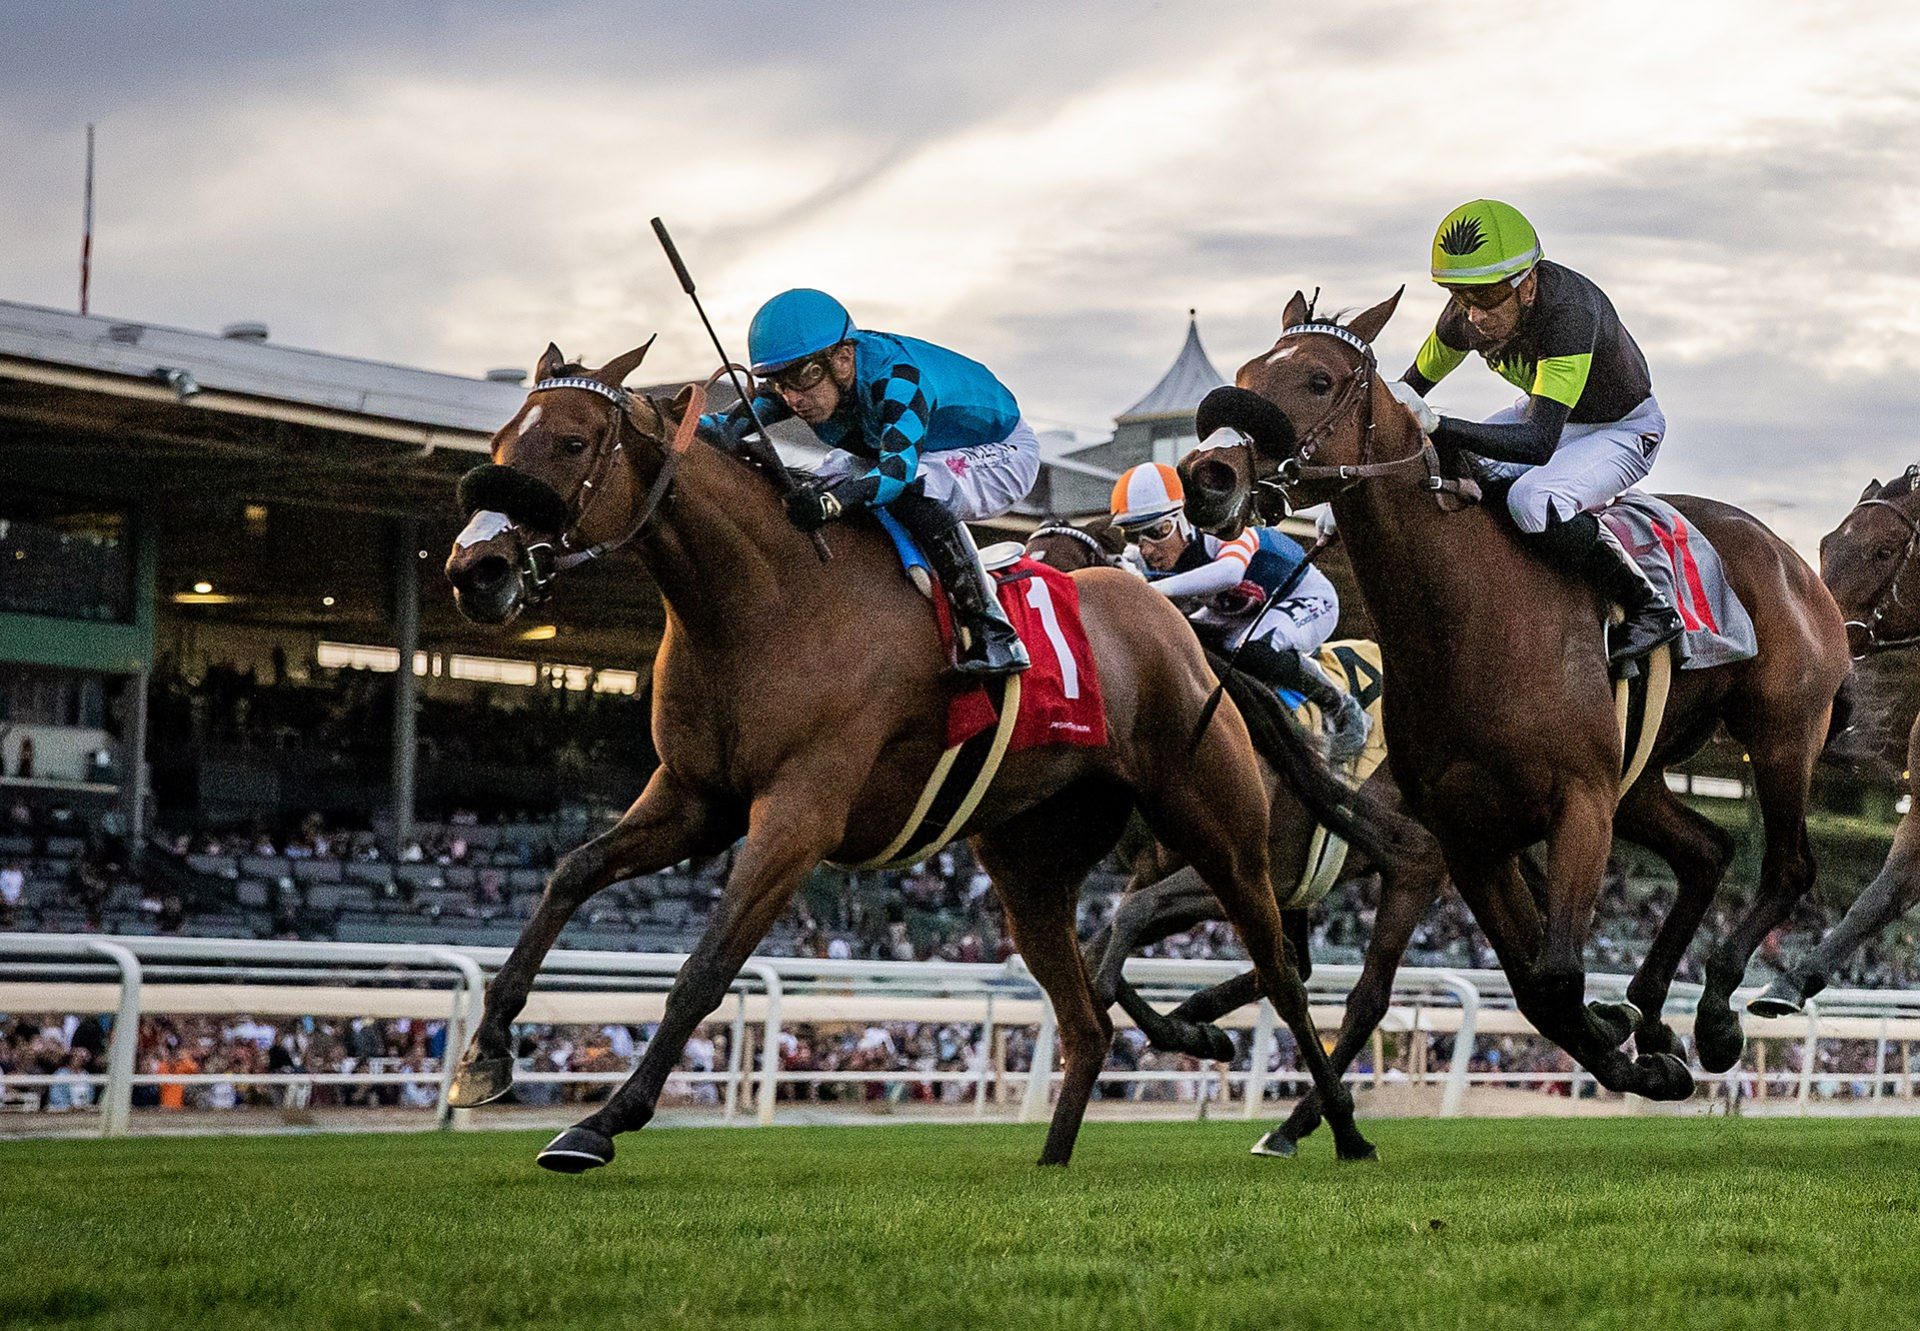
column 1499, row 703
column 802, row 705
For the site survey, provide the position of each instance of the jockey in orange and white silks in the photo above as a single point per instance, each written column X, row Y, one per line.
column 1239, row 577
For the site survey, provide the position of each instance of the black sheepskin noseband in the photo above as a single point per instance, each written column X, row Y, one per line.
column 1250, row 414
column 528, row 503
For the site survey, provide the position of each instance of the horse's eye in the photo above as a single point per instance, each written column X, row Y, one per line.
column 1886, row 552
column 1320, row 383
column 574, row 444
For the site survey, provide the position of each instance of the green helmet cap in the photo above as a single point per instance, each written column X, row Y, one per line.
column 1483, row 242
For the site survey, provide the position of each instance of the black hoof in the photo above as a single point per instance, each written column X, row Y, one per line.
column 1667, row 1077
column 479, row 1081
column 1717, row 1038
column 1656, row 1038
column 1614, row 1021
column 1357, row 1149
column 577, row 1150
column 1219, row 1044
column 1276, row 1144
column 1783, row 998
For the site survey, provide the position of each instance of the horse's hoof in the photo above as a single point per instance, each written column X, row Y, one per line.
column 1783, row 998
column 1717, row 1038
column 1357, row 1149
column 1667, row 1077
column 1656, row 1038
column 1219, row 1044
column 577, row 1150
column 1616, row 1021
column 480, row 1081
column 1276, row 1144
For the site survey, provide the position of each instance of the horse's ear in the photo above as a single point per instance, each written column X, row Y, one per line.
column 1872, row 490
column 615, row 372
column 1296, row 312
column 1369, row 323
column 551, row 363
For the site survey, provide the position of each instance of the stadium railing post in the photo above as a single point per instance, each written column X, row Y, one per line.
column 986, row 1061
column 470, row 989
column 735, row 1049
column 1033, row 1105
column 1809, row 1051
column 1256, row 1088
column 116, row 1105
column 770, row 1053
column 1469, row 995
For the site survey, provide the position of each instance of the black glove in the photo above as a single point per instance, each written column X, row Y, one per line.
column 810, row 510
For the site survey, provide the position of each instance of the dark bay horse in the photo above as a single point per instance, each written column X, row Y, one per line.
column 1868, row 564
column 801, row 705
column 1498, row 698
column 1163, row 898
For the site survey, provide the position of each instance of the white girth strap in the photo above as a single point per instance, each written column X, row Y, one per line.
column 1659, row 685
column 893, row 857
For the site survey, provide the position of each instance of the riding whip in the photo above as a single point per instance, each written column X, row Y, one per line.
column 765, row 454
column 1278, row 593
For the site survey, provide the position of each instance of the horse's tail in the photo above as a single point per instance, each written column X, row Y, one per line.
column 1357, row 817
column 1842, row 716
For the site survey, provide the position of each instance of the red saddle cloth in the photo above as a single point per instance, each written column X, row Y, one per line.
column 1060, row 693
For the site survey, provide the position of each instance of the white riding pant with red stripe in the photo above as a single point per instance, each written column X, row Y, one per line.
column 977, row 483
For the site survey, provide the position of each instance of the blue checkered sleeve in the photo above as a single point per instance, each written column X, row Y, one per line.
column 902, row 405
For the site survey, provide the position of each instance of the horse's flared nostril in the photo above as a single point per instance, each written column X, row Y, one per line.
column 487, row 573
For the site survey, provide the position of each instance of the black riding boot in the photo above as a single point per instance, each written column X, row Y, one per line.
column 1346, row 720
column 1578, row 546
column 984, row 639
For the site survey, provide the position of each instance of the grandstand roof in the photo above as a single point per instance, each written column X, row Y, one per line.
column 1190, row 378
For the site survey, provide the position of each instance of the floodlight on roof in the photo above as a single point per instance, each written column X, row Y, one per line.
column 180, row 381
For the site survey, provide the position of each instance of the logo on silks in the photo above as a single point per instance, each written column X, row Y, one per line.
column 1463, row 237
column 956, row 464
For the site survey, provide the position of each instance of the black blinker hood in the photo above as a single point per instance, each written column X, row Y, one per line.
column 1250, row 414
column 527, row 502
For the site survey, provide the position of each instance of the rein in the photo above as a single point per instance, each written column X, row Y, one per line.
column 1877, row 610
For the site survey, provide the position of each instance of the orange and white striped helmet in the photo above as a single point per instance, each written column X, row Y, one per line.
column 1146, row 494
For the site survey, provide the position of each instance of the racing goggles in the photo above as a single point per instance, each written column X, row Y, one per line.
column 803, row 376
column 1490, row 296
column 1154, row 531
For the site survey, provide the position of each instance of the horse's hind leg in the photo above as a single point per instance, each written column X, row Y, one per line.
column 789, row 830
column 1405, row 898
column 1037, row 863
column 1698, row 852
column 1782, row 768
column 1146, row 916
column 1210, row 826
column 666, row 824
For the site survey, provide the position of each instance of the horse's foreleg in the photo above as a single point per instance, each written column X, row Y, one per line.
column 1698, row 853
column 1145, row 917
column 1893, row 892
column 1406, row 896
column 667, row 824
column 788, row 832
column 1781, row 771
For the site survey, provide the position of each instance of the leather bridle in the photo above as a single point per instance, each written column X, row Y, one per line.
column 1876, row 609
column 1356, row 393
column 543, row 560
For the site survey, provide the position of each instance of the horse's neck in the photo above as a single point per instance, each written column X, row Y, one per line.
column 715, row 546
column 1436, row 582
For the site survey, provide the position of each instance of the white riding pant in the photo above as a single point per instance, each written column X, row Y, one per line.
column 976, row 483
column 1299, row 623
column 1591, row 466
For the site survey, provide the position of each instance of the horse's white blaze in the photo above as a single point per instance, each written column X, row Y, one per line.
column 1281, row 355
column 1040, row 597
column 527, row 421
column 482, row 526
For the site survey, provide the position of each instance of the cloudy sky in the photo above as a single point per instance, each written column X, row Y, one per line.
column 1047, row 186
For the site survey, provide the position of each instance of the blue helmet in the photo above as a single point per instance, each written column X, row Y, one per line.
column 793, row 325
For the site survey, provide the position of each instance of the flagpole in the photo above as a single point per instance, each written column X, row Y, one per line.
column 86, row 234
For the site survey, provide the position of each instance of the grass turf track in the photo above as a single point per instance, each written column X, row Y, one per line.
column 1638, row 1223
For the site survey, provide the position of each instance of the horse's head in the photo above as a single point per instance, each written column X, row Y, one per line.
column 1866, row 560
column 1062, row 545
column 564, row 485
column 1307, row 400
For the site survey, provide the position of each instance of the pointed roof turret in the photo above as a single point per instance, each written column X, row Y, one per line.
column 1180, row 389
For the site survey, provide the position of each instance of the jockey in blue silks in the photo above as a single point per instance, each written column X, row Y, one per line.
column 926, row 433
